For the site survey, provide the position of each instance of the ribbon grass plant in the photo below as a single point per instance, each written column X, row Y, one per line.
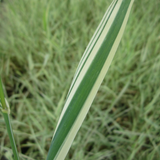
column 89, row 75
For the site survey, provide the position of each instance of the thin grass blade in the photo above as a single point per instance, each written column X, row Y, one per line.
column 4, row 107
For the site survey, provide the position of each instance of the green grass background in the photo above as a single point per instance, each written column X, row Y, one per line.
column 41, row 43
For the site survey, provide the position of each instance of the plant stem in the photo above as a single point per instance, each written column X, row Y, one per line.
column 2, row 96
column 6, row 111
column 11, row 137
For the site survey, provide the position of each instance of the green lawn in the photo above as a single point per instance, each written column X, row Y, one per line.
column 41, row 43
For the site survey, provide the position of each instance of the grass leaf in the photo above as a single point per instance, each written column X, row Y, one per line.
column 89, row 75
